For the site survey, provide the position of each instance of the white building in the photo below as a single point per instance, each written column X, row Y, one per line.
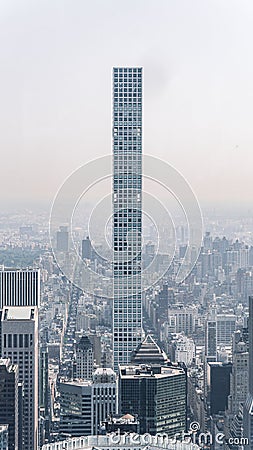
column 85, row 404
column 104, row 397
column 20, row 344
column 218, row 333
column 226, row 325
column 185, row 350
column 248, row 405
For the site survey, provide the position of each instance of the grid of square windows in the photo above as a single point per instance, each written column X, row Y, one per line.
column 127, row 220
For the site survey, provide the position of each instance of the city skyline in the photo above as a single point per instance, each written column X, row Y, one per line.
column 126, row 308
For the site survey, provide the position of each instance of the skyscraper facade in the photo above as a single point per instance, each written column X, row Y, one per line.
column 9, row 401
column 248, row 406
column 19, row 287
column 76, row 412
column 44, row 394
column 156, row 395
column 218, row 386
column 20, row 345
column 104, row 397
column 127, row 211
column 4, row 437
column 84, row 359
column 62, row 239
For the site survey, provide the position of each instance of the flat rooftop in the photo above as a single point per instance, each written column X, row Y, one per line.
column 18, row 312
column 142, row 371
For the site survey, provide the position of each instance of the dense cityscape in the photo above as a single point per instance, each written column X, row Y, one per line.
column 195, row 335
column 168, row 366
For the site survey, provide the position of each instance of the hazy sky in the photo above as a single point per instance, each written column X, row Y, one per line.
column 55, row 90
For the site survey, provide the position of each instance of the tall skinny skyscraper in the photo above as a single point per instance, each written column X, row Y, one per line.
column 127, row 211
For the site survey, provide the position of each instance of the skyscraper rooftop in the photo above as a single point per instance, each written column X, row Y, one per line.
column 84, row 343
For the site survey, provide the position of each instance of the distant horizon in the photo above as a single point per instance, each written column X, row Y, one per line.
column 214, row 209
column 56, row 91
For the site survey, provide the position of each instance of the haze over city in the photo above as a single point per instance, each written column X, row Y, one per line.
column 126, row 225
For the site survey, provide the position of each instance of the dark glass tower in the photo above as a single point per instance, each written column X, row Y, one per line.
column 9, row 413
column 248, row 406
column 156, row 395
column 127, row 211
column 19, row 287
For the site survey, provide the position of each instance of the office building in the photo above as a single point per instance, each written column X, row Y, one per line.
column 121, row 424
column 19, row 287
column 44, row 395
column 185, row 318
column 4, row 437
column 128, row 443
column 248, row 406
column 127, row 212
column 9, row 400
column 20, row 345
column 62, row 239
column 218, row 379
column 185, row 350
column 226, row 325
column 238, row 386
column 86, row 248
column 20, row 416
column 240, row 370
column 84, row 359
column 85, row 404
column 75, row 407
column 156, row 395
column 104, row 397
column 95, row 340
column 211, row 340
